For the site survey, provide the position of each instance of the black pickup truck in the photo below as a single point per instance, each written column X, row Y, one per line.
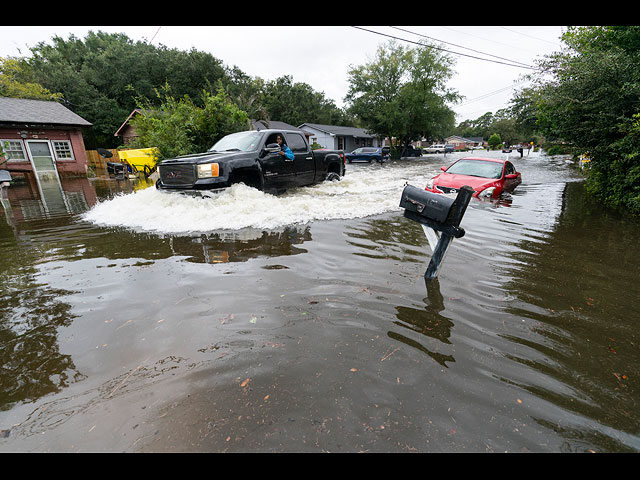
column 252, row 158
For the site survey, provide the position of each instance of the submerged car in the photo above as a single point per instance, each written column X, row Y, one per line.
column 488, row 177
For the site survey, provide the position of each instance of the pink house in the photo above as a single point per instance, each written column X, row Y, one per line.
column 41, row 137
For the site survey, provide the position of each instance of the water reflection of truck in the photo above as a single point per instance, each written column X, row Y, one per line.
column 252, row 158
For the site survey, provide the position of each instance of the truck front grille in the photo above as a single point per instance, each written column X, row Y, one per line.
column 179, row 175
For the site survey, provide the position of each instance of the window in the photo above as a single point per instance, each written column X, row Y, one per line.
column 63, row 149
column 13, row 150
column 296, row 142
column 509, row 168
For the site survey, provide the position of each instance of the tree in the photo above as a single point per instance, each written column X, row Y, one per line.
column 101, row 76
column 16, row 81
column 402, row 93
column 494, row 141
column 296, row 103
column 592, row 102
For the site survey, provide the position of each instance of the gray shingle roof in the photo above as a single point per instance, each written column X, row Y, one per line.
column 338, row 130
column 21, row 110
column 256, row 124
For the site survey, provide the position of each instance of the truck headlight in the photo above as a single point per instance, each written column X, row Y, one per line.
column 208, row 170
column 430, row 184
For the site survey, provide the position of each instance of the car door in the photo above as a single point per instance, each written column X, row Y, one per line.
column 509, row 183
column 278, row 172
column 303, row 163
column 357, row 155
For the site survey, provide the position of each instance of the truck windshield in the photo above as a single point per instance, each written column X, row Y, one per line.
column 241, row 141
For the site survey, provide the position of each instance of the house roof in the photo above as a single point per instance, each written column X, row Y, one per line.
column 21, row 110
column 125, row 123
column 272, row 124
column 338, row 130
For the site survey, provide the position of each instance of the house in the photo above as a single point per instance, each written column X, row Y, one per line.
column 126, row 131
column 335, row 137
column 41, row 136
column 263, row 124
column 462, row 143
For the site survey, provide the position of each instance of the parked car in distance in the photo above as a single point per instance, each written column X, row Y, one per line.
column 448, row 148
column 488, row 177
column 436, row 148
column 368, row 154
column 411, row 151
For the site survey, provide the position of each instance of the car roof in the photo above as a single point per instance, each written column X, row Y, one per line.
column 497, row 160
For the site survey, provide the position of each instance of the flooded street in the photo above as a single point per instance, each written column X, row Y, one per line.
column 133, row 320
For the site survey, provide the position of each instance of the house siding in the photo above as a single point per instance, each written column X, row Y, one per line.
column 66, row 167
column 342, row 138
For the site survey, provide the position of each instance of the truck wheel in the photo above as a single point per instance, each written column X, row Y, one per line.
column 332, row 176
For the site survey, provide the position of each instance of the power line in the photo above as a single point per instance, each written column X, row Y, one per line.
column 531, row 36
column 486, row 95
column 460, row 46
column 154, row 35
column 444, row 49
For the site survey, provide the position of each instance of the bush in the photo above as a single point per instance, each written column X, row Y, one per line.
column 179, row 127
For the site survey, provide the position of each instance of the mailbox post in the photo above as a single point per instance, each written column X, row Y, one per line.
column 440, row 217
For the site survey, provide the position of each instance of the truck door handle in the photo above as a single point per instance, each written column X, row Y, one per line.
column 309, row 158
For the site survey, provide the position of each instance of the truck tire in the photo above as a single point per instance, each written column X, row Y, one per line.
column 332, row 176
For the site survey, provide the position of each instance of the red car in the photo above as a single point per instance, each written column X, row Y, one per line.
column 488, row 177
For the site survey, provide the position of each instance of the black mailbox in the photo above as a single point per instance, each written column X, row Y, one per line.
column 439, row 213
column 433, row 206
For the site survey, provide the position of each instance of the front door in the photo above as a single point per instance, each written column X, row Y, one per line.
column 46, row 173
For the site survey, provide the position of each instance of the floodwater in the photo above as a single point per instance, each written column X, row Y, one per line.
column 133, row 320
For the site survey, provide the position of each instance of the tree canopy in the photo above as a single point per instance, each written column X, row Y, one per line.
column 180, row 126
column 589, row 97
column 103, row 77
column 402, row 93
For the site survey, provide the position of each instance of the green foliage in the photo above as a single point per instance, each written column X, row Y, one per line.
column 101, row 77
column 494, row 141
column 297, row 103
column 179, row 126
column 592, row 104
column 402, row 93
column 16, row 81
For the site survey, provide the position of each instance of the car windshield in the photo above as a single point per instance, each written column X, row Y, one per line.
column 241, row 141
column 476, row 168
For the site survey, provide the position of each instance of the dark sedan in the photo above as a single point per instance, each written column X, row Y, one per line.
column 368, row 154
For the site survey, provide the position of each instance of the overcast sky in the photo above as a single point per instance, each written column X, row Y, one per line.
column 322, row 55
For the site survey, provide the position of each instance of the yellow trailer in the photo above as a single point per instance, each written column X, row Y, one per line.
column 141, row 160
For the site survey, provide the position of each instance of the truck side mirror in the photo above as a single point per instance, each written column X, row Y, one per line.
column 272, row 148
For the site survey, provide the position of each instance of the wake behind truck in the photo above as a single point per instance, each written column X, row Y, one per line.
column 252, row 158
